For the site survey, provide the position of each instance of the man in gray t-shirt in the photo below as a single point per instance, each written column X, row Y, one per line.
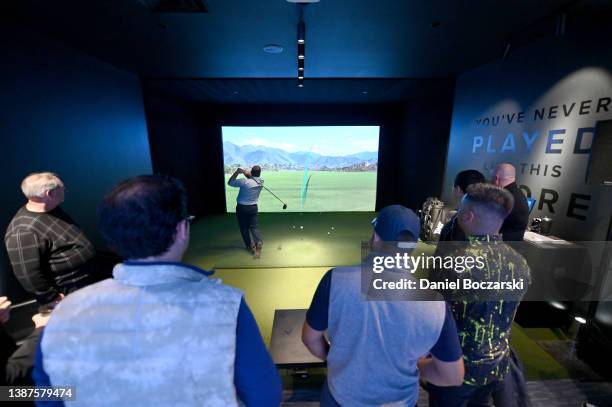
column 246, row 207
column 375, row 348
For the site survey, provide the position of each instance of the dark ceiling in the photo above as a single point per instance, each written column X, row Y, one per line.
column 344, row 39
column 279, row 91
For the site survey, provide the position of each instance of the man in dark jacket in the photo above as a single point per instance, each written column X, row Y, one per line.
column 451, row 230
column 515, row 224
column 49, row 253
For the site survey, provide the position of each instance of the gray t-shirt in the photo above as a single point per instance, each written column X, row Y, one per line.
column 375, row 344
column 249, row 190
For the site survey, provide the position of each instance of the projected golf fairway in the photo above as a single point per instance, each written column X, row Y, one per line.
column 327, row 192
column 309, row 168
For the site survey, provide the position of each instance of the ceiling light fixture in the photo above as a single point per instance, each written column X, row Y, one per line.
column 301, row 47
column 273, row 49
column 301, row 38
column 580, row 320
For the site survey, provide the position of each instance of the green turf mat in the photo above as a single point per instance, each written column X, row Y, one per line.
column 290, row 240
column 292, row 288
column 267, row 290
column 545, row 334
column 539, row 364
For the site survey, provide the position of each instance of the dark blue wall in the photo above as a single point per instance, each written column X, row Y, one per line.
column 569, row 80
column 66, row 112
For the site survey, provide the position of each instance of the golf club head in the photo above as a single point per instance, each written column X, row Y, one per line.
column 284, row 206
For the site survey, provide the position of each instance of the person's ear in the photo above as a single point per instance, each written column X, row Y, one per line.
column 469, row 216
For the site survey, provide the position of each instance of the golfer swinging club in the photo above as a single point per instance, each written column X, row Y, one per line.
column 246, row 208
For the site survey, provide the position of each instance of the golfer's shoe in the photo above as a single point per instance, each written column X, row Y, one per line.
column 257, row 253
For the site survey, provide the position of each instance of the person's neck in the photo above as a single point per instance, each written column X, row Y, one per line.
column 164, row 258
column 40, row 207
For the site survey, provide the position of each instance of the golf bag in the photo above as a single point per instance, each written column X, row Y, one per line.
column 433, row 216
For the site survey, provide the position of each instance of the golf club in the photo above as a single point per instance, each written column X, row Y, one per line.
column 267, row 189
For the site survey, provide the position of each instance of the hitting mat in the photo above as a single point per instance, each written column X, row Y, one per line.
column 319, row 239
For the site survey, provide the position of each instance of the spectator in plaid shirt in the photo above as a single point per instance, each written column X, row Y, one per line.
column 49, row 253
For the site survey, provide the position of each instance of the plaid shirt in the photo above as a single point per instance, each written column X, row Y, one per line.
column 47, row 252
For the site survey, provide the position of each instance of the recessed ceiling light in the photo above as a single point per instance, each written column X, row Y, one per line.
column 273, row 49
column 300, row 85
column 580, row 320
column 300, row 56
column 300, row 77
column 301, row 68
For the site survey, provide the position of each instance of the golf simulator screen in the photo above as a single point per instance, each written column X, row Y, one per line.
column 308, row 168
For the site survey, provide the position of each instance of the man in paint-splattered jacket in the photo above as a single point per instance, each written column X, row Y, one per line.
column 483, row 322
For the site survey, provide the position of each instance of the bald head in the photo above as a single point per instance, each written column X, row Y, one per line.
column 503, row 175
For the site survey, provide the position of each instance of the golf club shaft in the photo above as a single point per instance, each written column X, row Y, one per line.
column 267, row 189
column 273, row 194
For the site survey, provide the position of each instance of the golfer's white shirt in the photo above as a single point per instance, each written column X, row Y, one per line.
column 249, row 190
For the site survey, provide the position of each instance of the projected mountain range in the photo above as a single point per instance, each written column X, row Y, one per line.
column 276, row 158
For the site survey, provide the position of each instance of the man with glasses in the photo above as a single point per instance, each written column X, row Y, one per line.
column 48, row 251
column 160, row 332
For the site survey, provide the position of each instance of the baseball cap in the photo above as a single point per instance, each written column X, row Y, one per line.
column 395, row 219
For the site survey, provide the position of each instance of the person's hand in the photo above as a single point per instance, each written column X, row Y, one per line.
column 40, row 320
column 5, row 310
column 57, row 300
column 239, row 170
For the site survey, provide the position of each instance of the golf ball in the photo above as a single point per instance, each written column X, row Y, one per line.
column 293, row 226
column 333, row 228
column 329, row 233
column 301, row 227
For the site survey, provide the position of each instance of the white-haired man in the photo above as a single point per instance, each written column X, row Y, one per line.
column 48, row 251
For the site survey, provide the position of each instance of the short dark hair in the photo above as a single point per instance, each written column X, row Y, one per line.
column 468, row 177
column 490, row 198
column 138, row 217
column 256, row 171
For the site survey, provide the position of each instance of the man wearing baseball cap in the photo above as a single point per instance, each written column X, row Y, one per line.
column 372, row 348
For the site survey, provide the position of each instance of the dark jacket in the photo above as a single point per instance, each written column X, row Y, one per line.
column 452, row 232
column 515, row 224
column 16, row 363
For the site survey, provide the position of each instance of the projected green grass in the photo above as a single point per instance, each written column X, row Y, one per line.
column 327, row 191
column 310, row 168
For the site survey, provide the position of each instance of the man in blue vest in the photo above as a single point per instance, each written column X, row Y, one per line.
column 160, row 332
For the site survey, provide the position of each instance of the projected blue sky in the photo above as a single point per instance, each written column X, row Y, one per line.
column 325, row 140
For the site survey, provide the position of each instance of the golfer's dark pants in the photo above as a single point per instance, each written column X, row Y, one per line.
column 247, row 220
